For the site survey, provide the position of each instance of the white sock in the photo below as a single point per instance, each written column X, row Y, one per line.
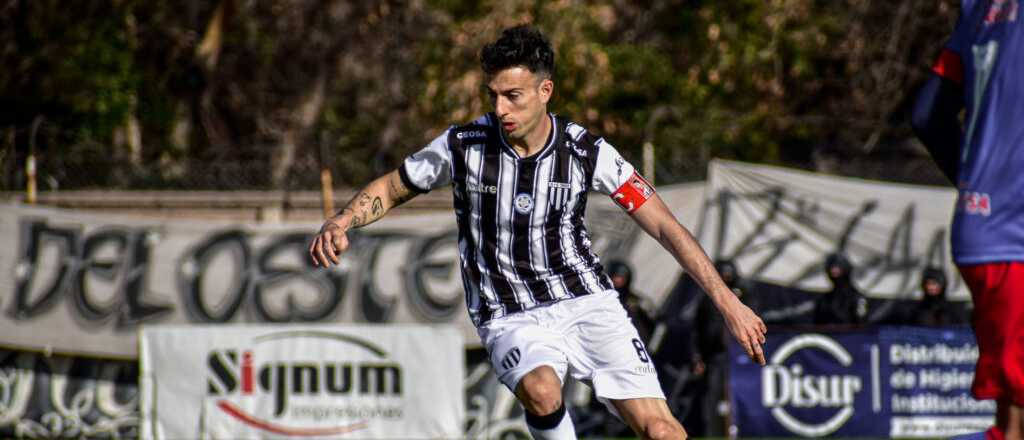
column 564, row 430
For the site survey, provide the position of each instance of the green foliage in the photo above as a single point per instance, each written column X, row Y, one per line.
column 778, row 81
column 79, row 69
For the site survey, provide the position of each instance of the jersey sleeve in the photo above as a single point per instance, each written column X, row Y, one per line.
column 950, row 64
column 428, row 168
column 616, row 177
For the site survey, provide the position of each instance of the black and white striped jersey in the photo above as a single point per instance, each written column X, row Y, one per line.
column 522, row 240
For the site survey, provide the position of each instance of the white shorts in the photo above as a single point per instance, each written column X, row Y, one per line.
column 590, row 337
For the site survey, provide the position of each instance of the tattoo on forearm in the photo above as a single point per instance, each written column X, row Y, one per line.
column 364, row 209
column 378, row 208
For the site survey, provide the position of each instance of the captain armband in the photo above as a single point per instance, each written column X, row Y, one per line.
column 634, row 193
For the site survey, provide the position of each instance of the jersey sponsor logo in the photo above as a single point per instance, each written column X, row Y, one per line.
column 482, row 189
column 511, row 358
column 645, row 369
column 523, row 203
column 787, row 385
column 472, row 134
column 579, row 151
column 634, row 193
column 975, row 203
column 1001, row 11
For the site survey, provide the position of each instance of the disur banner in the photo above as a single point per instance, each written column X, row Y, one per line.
column 779, row 225
column 902, row 382
column 346, row 382
column 82, row 283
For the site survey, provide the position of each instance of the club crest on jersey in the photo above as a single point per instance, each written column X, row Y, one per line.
column 558, row 194
column 1001, row 11
column 523, row 203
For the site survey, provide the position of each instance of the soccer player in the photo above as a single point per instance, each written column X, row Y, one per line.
column 981, row 69
column 540, row 299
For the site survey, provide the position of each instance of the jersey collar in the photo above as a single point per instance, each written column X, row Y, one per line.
column 543, row 152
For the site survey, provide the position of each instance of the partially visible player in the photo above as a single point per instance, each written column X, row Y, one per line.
column 981, row 69
column 541, row 300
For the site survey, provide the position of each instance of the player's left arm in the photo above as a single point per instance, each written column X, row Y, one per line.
column 616, row 177
column 935, row 116
column 936, row 121
column 656, row 219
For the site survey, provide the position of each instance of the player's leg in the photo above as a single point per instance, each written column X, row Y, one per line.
column 1010, row 407
column 650, row 418
column 998, row 311
column 540, row 392
column 529, row 359
column 1010, row 419
column 605, row 349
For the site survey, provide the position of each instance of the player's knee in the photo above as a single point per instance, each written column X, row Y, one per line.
column 540, row 397
column 662, row 429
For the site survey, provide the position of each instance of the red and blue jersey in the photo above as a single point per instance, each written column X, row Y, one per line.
column 986, row 55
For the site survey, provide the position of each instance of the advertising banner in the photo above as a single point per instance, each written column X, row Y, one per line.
column 930, row 373
column 907, row 382
column 81, row 284
column 47, row 397
column 346, row 382
column 778, row 225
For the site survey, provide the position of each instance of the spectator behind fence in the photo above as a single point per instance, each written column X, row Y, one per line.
column 935, row 309
column 844, row 304
column 622, row 279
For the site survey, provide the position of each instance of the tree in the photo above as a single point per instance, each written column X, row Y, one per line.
column 228, row 94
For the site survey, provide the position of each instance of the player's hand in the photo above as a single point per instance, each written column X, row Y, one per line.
column 328, row 245
column 747, row 328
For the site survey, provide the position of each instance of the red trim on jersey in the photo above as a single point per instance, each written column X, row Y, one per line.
column 634, row 193
column 949, row 66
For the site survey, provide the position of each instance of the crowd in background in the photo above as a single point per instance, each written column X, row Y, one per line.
column 688, row 337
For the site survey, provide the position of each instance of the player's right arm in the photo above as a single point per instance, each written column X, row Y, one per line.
column 421, row 172
column 368, row 206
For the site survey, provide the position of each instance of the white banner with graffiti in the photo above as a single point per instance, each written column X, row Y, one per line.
column 300, row 381
column 51, row 396
column 778, row 225
column 82, row 283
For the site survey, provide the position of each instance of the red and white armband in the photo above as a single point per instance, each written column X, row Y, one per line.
column 634, row 193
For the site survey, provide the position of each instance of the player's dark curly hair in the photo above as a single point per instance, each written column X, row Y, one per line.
column 521, row 45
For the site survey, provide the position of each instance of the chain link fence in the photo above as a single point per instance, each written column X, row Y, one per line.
column 93, row 165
